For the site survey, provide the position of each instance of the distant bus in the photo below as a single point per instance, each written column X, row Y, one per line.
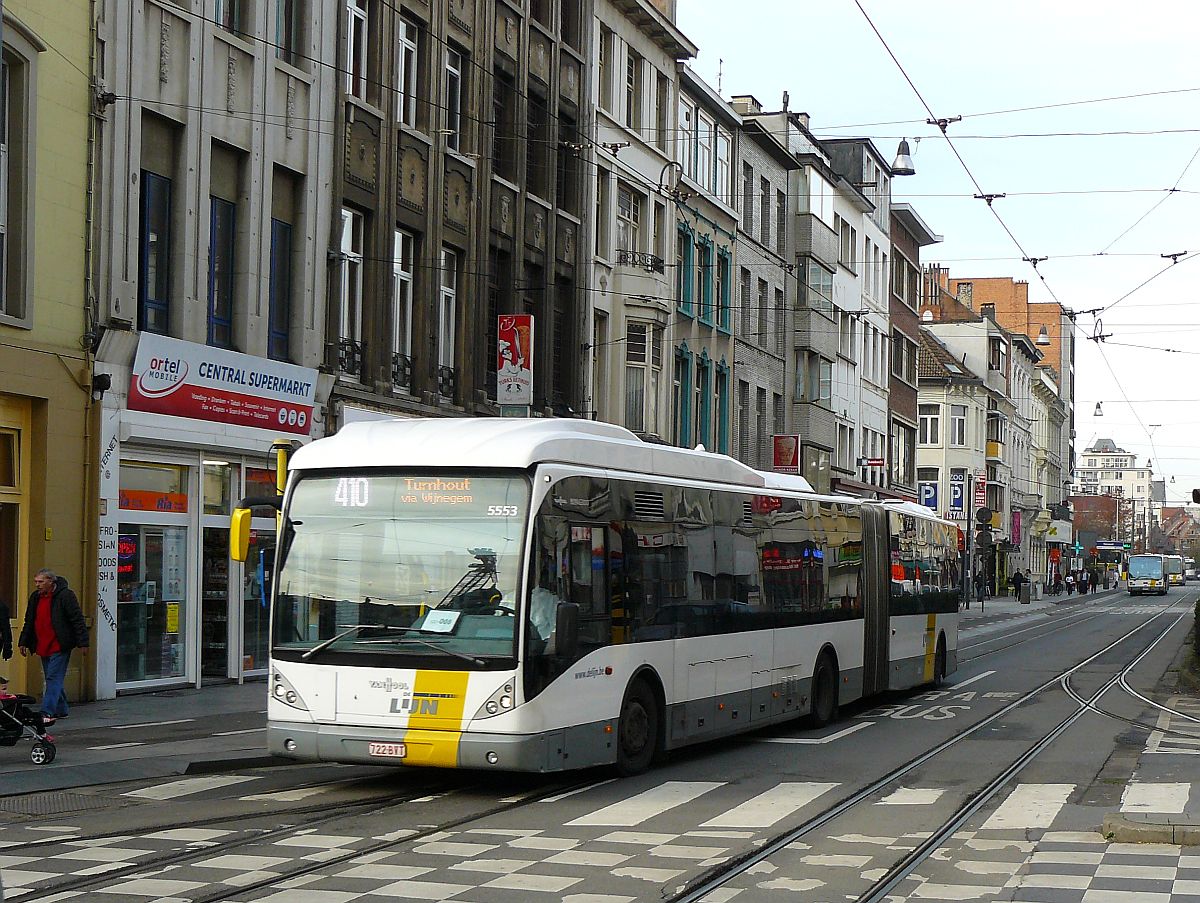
column 1147, row 575
column 1174, row 568
column 1189, row 569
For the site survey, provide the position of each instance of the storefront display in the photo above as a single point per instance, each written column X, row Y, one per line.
column 151, row 590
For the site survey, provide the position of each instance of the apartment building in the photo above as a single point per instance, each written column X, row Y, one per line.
column 1104, row 468
column 862, row 219
column 634, row 268
column 47, row 407
column 700, row 332
column 459, row 187
column 909, row 234
column 212, row 219
column 766, row 287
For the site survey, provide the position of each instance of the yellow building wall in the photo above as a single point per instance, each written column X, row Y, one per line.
column 45, row 373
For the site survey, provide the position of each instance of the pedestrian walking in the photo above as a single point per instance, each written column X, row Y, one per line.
column 1083, row 583
column 1058, row 583
column 1092, row 580
column 54, row 626
column 1070, row 581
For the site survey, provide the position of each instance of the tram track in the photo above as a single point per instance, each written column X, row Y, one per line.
column 175, row 859
column 721, row 875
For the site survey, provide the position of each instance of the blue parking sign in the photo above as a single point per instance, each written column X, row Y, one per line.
column 929, row 495
column 957, row 494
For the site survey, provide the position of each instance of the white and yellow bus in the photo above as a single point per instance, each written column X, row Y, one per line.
column 550, row 594
column 1173, row 565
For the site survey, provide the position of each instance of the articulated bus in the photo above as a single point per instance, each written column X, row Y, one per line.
column 547, row 594
column 1147, row 574
column 1173, row 565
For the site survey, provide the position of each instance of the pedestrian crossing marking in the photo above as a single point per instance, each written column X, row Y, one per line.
column 188, row 786
column 646, row 805
column 1030, row 806
column 911, row 796
column 770, row 806
column 1155, row 797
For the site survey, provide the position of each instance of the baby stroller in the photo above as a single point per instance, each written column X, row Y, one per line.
column 20, row 722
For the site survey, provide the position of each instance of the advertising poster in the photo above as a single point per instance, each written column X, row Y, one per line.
column 786, row 454
column 514, row 359
column 184, row 379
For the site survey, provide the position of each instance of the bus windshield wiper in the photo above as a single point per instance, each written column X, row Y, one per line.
column 467, row 658
column 353, row 628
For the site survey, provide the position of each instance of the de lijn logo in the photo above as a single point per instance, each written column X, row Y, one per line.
column 162, row 377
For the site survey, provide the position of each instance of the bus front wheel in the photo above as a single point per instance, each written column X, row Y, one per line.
column 637, row 730
column 824, row 692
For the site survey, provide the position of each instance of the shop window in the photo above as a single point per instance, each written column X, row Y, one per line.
column 151, row 598
column 8, row 459
column 220, row 484
column 153, row 487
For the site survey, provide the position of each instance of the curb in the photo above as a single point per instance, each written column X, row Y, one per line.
column 1173, row 829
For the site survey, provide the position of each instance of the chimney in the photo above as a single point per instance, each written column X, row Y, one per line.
column 746, row 104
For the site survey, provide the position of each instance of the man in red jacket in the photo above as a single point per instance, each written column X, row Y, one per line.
column 54, row 626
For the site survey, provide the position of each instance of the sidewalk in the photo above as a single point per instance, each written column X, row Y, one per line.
column 171, row 732
column 1003, row 609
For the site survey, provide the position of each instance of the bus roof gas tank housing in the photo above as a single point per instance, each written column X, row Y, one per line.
column 521, row 443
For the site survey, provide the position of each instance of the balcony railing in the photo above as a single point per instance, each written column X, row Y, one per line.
column 995, row 450
column 401, row 371
column 651, row 263
column 447, row 380
column 350, row 357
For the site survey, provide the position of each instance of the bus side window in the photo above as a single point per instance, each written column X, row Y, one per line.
column 589, row 585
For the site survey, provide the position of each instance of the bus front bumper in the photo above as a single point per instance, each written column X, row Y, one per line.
column 436, row 749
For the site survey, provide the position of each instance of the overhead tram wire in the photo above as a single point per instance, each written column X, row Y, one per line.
column 950, row 143
column 1172, row 190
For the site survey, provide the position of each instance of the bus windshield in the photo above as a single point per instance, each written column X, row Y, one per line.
column 401, row 565
column 1145, row 566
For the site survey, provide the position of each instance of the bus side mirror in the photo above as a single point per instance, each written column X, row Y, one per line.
column 566, row 630
column 239, row 534
column 1196, row 496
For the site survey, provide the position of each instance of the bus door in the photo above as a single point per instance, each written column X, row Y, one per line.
column 875, row 588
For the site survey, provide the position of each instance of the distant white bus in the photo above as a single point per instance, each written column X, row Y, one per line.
column 549, row 594
column 1189, row 569
column 1147, row 574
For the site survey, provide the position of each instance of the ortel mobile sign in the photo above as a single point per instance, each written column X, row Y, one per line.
column 183, row 379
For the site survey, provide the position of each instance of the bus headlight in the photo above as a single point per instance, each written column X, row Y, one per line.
column 500, row 701
column 282, row 691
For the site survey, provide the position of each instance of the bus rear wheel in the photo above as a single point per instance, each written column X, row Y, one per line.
column 637, row 730
column 824, row 692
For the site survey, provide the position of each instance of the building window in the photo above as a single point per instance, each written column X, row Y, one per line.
column 814, row 378
column 819, row 285
column 504, row 125
column 229, row 15
column 222, row 227
column 721, row 410
column 724, row 155
column 454, row 98
column 764, row 212
column 685, row 148
column 350, row 314
column 759, row 336
column 629, row 218
column 280, row 291
column 602, row 204
column 904, row 453
column 662, row 110
column 402, row 293
column 683, row 270
column 702, row 281
column 357, row 37
column 643, row 364
column 537, row 146
column 567, row 165
column 744, row 301
column 722, row 289
column 929, row 417
column 569, row 23
column 633, row 90
column 286, row 31
column 780, row 323
column 781, row 223
column 702, row 397
column 604, row 67
column 747, row 199
column 743, row 412
column 447, row 308
column 540, row 11
column 406, row 72
column 705, row 129
column 154, row 288
column 958, row 425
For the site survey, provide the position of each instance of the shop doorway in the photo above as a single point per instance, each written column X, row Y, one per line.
column 214, row 606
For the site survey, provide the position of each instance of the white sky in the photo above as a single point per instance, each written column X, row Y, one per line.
column 974, row 57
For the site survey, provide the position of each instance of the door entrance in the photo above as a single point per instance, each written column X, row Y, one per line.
column 214, row 605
